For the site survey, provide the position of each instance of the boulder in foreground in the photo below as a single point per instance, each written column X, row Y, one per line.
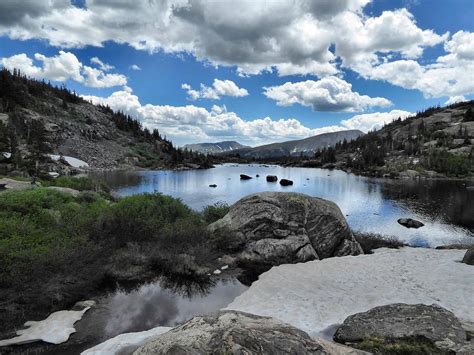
column 469, row 256
column 410, row 324
column 229, row 332
column 272, row 228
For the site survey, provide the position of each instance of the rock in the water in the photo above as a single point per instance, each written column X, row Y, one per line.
column 273, row 228
column 272, row 178
column 213, row 185
column 410, row 223
column 286, row 182
column 401, row 321
column 245, row 177
column 230, row 332
column 469, row 257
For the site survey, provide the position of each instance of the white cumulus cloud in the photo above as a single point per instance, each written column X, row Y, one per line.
column 328, row 94
column 101, row 64
column 218, row 89
column 62, row 67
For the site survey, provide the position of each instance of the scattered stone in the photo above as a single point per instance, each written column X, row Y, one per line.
column 410, row 223
column 245, row 177
column 272, row 228
column 286, row 182
column 213, row 185
column 257, row 175
column 469, row 256
column 400, row 322
column 230, row 332
column 272, row 178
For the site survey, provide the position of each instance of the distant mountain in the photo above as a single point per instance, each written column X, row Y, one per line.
column 306, row 146
column 213, row 148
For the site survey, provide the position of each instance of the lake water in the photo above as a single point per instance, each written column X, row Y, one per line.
column 370, row 205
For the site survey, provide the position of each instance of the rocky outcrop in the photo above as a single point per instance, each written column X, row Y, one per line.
column 469, row 256
column 272, row 178
column 286, row 182
column 273, row 228
column 410, row 223
column 400, row 322
column 230, row 332
column 245, row 177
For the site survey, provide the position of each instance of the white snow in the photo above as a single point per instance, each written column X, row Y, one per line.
column 217, row 272
column 7, row 155
column 74, row 162
column 125, row 343
column 55, row 329
column 225, row 267
column 316, row 295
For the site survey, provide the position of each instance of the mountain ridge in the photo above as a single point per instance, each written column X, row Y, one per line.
column 305, row 146
column 213, row 148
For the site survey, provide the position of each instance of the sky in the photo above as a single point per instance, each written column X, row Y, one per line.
column 245, row 70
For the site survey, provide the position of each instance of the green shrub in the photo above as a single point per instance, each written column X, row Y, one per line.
column 215, row 212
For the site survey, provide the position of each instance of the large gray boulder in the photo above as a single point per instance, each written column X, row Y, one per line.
column 273, row 228
column 469, row 256
column 231, row 332
column 399, row 322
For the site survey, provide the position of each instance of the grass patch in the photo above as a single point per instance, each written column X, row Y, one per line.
column 371, row 241
column 82, row 183
column 60, row 248
column 405, row 346
column 215, row 212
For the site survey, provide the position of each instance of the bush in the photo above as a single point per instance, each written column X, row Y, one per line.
column 371, row 241
column 215, row 212
column 142, row 218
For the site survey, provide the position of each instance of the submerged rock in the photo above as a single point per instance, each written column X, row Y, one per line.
column 272, row 178
column 286, row 182
column 399, row 322
column 230, row 332
column 272, row 228
column 410, row 223
column 469, row 256
column 245, row 177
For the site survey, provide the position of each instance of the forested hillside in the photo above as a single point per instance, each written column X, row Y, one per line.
column 438, row 140
column 38, row 119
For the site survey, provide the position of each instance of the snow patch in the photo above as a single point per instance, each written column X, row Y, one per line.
column 7, row 155
column 55, row 329
column 125, row 343
column 74, row 162
column 217, row 272
column 314, row 296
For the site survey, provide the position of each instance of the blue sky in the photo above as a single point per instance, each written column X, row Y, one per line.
column 357, row 64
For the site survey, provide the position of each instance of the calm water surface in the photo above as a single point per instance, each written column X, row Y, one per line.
column 370, row 205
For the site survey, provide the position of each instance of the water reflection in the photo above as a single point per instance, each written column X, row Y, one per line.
column 156, row 304
column 370, row 205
